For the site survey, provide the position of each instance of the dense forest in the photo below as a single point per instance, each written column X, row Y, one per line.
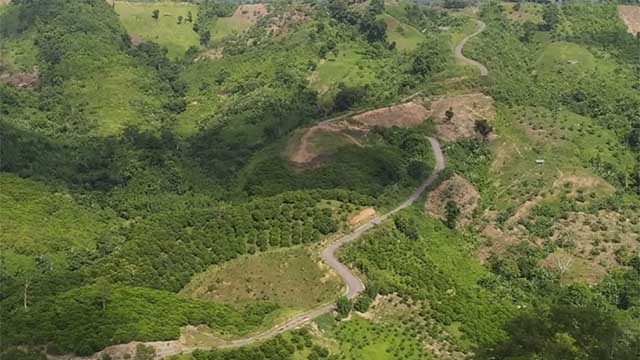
column 127, row 170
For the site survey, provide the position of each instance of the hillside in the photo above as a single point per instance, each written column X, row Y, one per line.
column 319, row 180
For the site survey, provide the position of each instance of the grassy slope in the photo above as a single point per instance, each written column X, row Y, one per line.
column 405, row 36
column 177, row 38
column 225, row 26
column 37, row 219
column 291, row 278
column 528, row 12
column 436, row 268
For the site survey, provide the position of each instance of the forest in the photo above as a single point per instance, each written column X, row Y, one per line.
column 130, row 165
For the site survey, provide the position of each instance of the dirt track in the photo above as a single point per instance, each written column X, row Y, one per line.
column 458, row 52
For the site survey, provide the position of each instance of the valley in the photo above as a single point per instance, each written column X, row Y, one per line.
column 456, row 179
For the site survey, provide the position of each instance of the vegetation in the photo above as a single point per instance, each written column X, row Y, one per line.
column 145, row 166
column 171, row 28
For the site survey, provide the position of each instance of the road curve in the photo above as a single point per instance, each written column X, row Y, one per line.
column 353, row 284
column 458, row 51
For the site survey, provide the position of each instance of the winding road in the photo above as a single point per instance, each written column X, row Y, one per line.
column 353, row 284
column 458, row 51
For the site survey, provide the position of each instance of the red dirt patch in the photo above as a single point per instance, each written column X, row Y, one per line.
column 281, row 24
column 458, row 190
column 409, row 114
column 362, row 216
column 630, row 15
column 302, row 152
column 249, row 12
column 466, row 109
column 23, row 80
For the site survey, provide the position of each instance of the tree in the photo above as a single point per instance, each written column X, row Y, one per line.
column 551, row 16
column 483, row 128
column 205, row 37
column 155, row 14
column 180, row 19
column 348, row 96
column 144, row 352
column 373, row 29
column 430, row 57
column 565, row 332
column 449, row 114
column 189, row 17
column 362, row 303
column 343, row 306
column 103, row 289
column 452, row 211
column 516, row 6
column 376, row 7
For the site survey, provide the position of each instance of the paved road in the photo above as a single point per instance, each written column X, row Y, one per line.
column 458, row 52
column 353, row 284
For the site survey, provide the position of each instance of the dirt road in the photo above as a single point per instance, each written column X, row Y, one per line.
column 458, row 51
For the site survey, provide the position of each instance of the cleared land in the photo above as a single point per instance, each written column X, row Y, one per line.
column 244, row 16
column 466, row 110
column 630, row 14
column 455, row 189
column 177, row 38
column 405, row 36
column 323, row 139
column 292, row 278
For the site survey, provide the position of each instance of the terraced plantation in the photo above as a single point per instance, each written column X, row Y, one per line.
column 308, row 180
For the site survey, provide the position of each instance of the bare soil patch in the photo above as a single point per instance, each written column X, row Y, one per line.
column 282, row 23
column 362, row 216
column 304, row 149
column 211, row 54
column 572, row 185
column 573, row 269
column 249, row 12
column 497, row 242
column 466, row 109
column 409, row 114
column 597, row 237
column 22, row 80
column 455, row 189
column 630, row 15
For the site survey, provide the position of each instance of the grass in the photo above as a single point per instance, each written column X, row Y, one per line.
column 177, row 38
column 291, row 278
column 349, row 67
column 18, row 53
column 405, row 36
column 360, row 338
column 37, row 219
column 228, row 25
column 561, row 57
column 528, row 12
column 121, row 95
column 567, row 142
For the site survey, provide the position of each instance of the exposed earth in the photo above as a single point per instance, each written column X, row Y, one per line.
column 466, row 110
column 455, row 189
column 630, row 15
